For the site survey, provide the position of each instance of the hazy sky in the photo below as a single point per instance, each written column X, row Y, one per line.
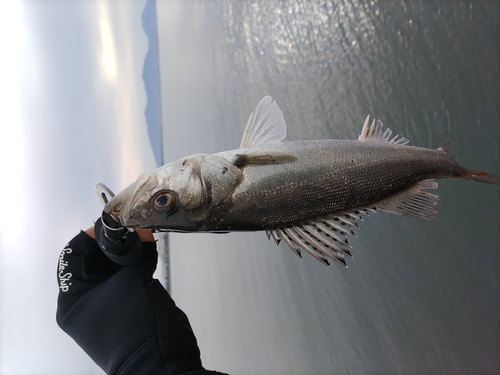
column 72, row 113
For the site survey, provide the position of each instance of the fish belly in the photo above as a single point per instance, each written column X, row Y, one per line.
column 328, row 177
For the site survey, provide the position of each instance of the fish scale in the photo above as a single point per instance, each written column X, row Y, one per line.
column 320, row 183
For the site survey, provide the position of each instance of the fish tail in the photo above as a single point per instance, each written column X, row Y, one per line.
column 485, row 177
column 488, row 178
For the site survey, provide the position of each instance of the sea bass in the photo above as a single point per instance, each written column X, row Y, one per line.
column 309, row 194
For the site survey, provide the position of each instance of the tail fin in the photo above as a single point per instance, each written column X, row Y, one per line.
column 488, row 178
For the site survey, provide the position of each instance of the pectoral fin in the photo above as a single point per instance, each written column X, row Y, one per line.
column 276, row 157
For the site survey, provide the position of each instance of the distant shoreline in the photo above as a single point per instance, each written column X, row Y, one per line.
column 151, row 78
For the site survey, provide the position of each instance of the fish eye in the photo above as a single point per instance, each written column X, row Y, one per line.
column 163, row 201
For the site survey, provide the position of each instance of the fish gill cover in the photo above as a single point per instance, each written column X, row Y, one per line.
column 151, row 78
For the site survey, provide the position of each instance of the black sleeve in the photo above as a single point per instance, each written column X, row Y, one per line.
column 123, row 318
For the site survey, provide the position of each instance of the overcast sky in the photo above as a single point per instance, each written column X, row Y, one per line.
column 72, row 106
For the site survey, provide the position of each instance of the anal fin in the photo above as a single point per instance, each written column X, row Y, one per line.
column 375, row 132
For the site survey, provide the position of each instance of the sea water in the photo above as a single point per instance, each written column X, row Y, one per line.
column 417, row 297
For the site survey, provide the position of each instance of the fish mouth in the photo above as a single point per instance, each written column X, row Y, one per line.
column 116, row 206
column 124, row 206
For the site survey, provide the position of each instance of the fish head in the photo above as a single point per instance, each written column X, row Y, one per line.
column 177, row 196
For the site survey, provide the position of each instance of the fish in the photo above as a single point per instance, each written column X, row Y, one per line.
column 309, row 194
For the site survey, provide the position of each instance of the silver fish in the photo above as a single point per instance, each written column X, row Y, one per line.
column 309, row 194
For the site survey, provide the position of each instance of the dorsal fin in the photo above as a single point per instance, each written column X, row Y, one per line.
column 325, row 238
column 413, row 202
column 376, row 132
column 266, row 124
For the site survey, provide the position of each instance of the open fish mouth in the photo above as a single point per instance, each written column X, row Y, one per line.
column 112, row 204
column 116, row 206
column 123, row 205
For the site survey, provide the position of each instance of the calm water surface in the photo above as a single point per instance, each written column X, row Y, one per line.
column 417, row 297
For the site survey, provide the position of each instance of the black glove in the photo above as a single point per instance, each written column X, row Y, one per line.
column 123, row 318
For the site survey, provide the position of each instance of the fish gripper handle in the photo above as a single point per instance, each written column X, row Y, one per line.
column 117, row 242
